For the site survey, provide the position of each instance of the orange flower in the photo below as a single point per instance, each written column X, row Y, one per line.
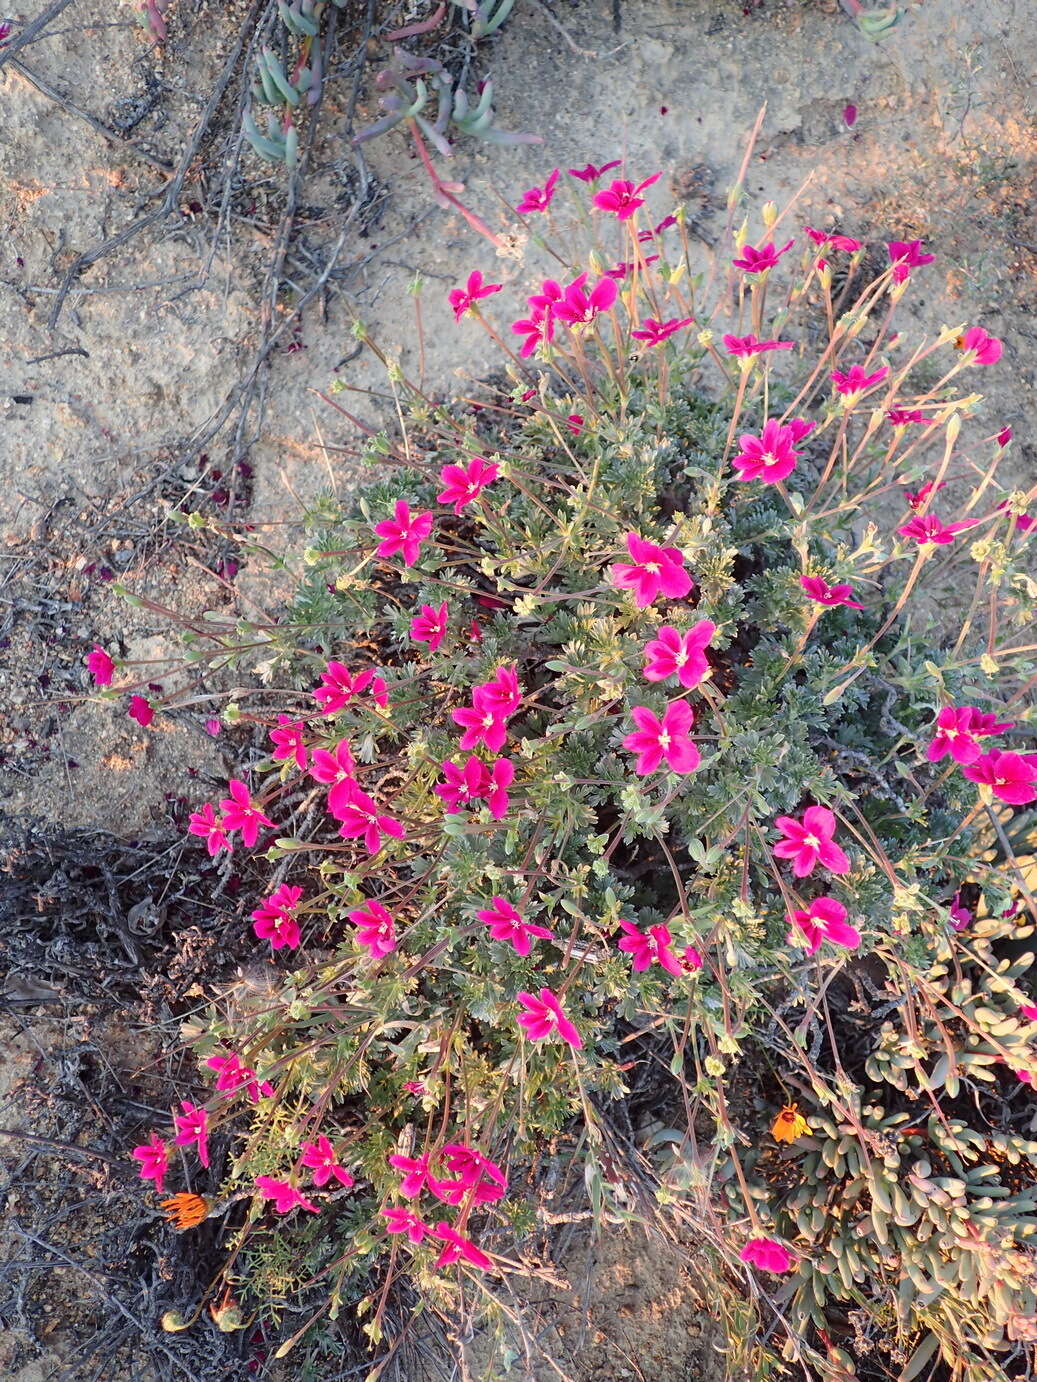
column 789, row 1124
column 186, row 1210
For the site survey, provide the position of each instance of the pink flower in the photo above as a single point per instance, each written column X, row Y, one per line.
column 849, row 116
column 906, row 255
column 287, row 739
column 285, row 1196
column 360, row 816
column 856, row 380
column 477, row 781
column 210, row 826
column 544, row 1017
column 538, row 329
column 626, row 266
column 691, row 959
column 141, row 710
column 481, row 722
column 758, row 261
column 656, row 332
column 463, row 299
column 319, row 1157
column 769, row 1255
column 622, row 198
column 463, row 484
column 1011, row 775
column 960, row 916
column 192, row 1126
column 653, row 947
column 375, row 929
column 579, row 308
column 916, row 500
column 837, row 242
column 506, row 925
column 405, row 533
column 574, row 422
column 825, row 921
column 929, row 529
column 274, row 920
column 652, row 571
column 679, row 655
column 769, row 457
column 502, row 691
column 240, row 813
column 154, row 1161
column 338, row 687
column 458, row 1246
column 538, row 198
column 958, row 728
column 591, row 174
column 746, row 347
column 809, row 842
column 100, row 666
column 1004, row 436
column 471, row 1166
column 232, row 1075
column 655, row 740
column 414, row 1087
column 1029, row 1012
column 335, row 770
column 983, row 349
column 417, row 1177
column 645, row 236
column 906, row 417
column 829, row 595
column 430, row 626
column 400, row 1220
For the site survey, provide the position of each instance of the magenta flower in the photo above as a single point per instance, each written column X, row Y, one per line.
column 574, row 422
column 653, row 947
column 622, row 198
column 502, row 691
column 100, row 666
column 1011, row 776
column 285, row 1196
column 906, row 255
column 456, row 1192
column 288, row 741
column 405, row 533
column 458, row 1247
column 538, row 329
column 470, row 1166
column 153, row 1156
column 1004, row 436
column 463, row 484
column 916, row 500
column 769, row 1255
column 375, row 928
column 192, row 1127
column 417, row 1175
column 207, row 824
column 319, row 1157
column 430, row 626
column 656, row 332
column 929, row 529
column 360, row 816
column 645, row 236
column 232, row 1075
column 400, row 1220
column 758, row 261
column 829, row 595
column 241, row 813
column 856, row 380
column 679, row 655
column 825, row 921
column 477, row 781
column 809, row 842
column 482, row 723
column 274, row 920
column 626, row 266
column 591, row 174
column 983, row 349
column 506, row 925
column 544, row 1017
column 335, row 770
column 957, row 730
column 907, row 417
column 745, row 347
column 141, row 710
column 769, row 457
column 1029, row 1012
column 462, row 300
column 655, row 740
column 578, row 307
column 960, row 916
column 837, row 242
column 691, row 959
column 849, row 116
column 538, row 198
column 338, row 687
column 652, row 571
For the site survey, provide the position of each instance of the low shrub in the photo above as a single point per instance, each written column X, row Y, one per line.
column 641, row 743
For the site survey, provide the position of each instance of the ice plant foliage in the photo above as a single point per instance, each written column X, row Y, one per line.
column 640, row 732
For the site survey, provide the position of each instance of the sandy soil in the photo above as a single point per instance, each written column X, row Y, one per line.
column 92, row 442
